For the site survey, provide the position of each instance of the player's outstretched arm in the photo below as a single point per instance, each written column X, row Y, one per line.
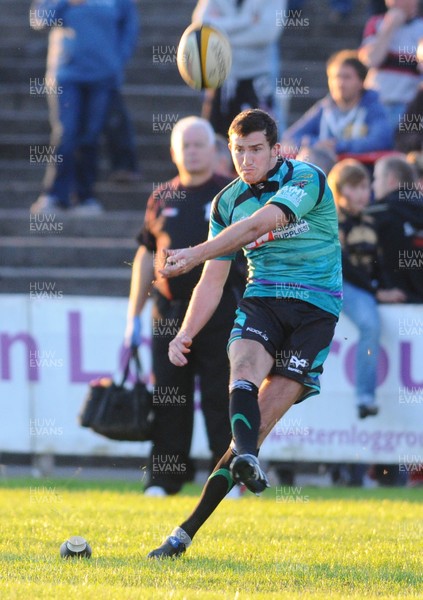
column 229, row 240
column 204, row 301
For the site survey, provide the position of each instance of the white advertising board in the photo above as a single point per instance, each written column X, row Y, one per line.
column 51, row 347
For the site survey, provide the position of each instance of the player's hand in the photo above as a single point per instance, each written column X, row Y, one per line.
column 178, row 347
column 394, row 295
column 394, row 18
column 133, row 332
column 329, row 144
column 179, row 262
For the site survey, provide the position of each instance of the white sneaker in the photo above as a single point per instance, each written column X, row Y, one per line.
column 91, row 206
column 155, row 491
column 47, row 204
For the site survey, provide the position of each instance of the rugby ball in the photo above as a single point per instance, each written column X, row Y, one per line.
column 204, row 57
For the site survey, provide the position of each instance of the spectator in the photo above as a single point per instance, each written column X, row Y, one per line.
column 389, row 50
column 398, row 214
column 120, row 141
column 416, row 160
column 377, row 7
column 349, row 120
column 253, row 30
column 339, row 9
column 177, row 215
column 224, row 164
column 322, row 157
column 363, row 285
column 409, row 135
column 89, row 44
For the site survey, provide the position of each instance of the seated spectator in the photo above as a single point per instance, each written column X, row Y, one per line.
column 409, row 134
column 322, row 157
column 350, row 119
column 363, row 285
column 398, row 213
column 416, row 160
column 389, row 51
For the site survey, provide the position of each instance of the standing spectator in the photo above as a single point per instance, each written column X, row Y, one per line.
column 363, row 284
column 339, row 9
column 398, row 214
column 177, row 215
column 120, row 141
column 89, row 44
column 223, row 164
column 389, row 51
column 350, row 119
column 253, row 30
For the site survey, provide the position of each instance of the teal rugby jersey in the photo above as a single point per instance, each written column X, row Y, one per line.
column 301, row 260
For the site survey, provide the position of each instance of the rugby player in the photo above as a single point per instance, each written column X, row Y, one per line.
column 282, row 213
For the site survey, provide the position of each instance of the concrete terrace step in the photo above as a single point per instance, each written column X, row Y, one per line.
column 59, row 251
column 152, row 97
column 21, row 7
column 114, row 197
column 38, row 151
column 16, row 174
column 120, row 224
column 54, row 283
column 111, row 201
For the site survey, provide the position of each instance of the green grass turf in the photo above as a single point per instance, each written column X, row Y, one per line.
column 290, row 543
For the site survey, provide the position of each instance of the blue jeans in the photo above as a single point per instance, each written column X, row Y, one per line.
column 77, row 117
column 362, row 309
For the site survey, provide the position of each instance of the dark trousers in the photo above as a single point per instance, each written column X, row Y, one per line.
column 169, row 464
column 77, row 118
column 249, row 93
column 120, row 135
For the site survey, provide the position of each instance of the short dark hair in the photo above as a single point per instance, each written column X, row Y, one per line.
column 350, row 58
column 398, row 166
column 255, row 119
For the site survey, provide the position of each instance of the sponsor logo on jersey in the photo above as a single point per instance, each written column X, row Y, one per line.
column 292, row 194
column 289, row 231
column 301, row 184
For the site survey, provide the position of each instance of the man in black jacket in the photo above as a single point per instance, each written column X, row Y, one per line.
column 398, row 213
column 177, row 215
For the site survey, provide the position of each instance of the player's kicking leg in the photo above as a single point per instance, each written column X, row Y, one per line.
column 277, row 395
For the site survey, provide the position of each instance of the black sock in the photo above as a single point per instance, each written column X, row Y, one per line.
column 245, row 415
column 217, row 486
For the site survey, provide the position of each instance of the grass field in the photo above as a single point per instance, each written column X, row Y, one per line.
column 290, row 543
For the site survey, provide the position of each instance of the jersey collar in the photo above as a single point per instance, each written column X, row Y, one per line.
column 267, row 186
